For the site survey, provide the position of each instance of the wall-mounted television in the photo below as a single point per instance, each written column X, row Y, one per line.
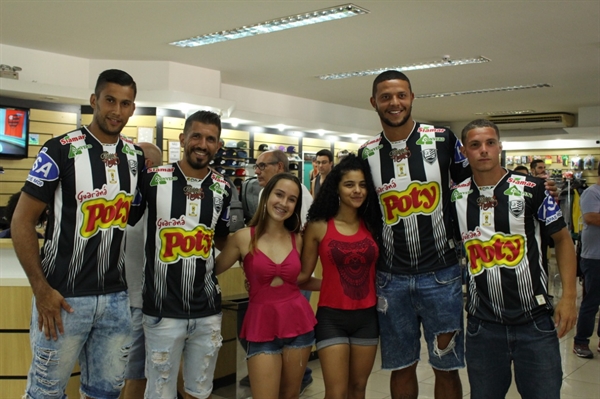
column 14, row 132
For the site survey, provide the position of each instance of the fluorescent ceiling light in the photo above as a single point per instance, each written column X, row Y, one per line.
column 460, row 93
column 275, row 25
column 515, row 112
column 444, row 62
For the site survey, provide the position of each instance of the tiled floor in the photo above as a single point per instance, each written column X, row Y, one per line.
column 581, row 377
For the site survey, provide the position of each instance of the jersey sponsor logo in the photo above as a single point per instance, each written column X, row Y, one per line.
column 398, row 154
column 130, row 150
column 501, row 250
column 219, row 189
column 369, row 152
column 419, row 198
column 521, row 182
column 430, row 129
column 74, row 151
column 516, row 207
column 193, row 193
column 126, row 139
column 464, row 184
column 133, row 167
column 157, row 179
column 429, row 155
column 110, row 159
column 68, row 140
column 219, row 178
column 426, row 140
column 486, row 203
column 512, row 190
column 44, row 169
column 176, row 243
column 373, row 141
column 457, row 194
column 104, row 214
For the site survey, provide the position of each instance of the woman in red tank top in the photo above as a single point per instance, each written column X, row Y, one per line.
column 279, row 322
column 343, row 232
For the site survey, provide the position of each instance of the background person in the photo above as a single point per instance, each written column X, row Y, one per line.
column 10, row 211
column 324, row 163
column 342, row 222
column 278, row 324
column 521, row 169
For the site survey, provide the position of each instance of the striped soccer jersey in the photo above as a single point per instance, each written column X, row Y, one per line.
column 89, row 187
column 501, row 229
column 183, row 215
column 412, row 179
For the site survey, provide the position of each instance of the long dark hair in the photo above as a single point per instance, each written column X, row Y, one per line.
column 259, row 220
column 326, row 205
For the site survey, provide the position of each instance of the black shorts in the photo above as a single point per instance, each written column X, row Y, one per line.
column 339, row 326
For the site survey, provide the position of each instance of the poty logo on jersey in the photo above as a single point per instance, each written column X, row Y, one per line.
column 426, row 140
column 399, row 154
column 369, row 152
column 74, row 151
column 418, row 198
column 158, row 179
column 101, row 213
column 68, row 140
column 110, row 159
column 177, row 243
column 500, row 250
column 44, row 169
column 130, row 150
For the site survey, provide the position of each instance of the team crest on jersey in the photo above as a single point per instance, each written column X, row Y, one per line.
column 486, row 203
column 369, row 152
column 218, row 204
column 426, row 140
column 398, row 154
column 133, row 166
column 430, row 155
column 486, row 219
column 158, row 179
column 193, row 193
column 501, row 250
column 110, row 159
column 74, row 151
column 401, row 169
column 112, row 176
column 419, row 198
column 516, row 207
column 130, row 150
column 68, row 140
column 44, row 169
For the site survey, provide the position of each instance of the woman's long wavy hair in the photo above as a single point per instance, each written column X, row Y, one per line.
column 327, row 204
column 259, row 220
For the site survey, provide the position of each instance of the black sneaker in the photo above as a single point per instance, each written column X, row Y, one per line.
column 305, row 385
column 583, row 350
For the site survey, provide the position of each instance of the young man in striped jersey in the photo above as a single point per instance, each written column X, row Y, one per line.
column 412, row 165
column 87, row 178
column 502, row 216
column 187, row 216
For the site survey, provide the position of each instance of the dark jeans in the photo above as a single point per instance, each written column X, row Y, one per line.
column 532, row 348
column 591, row 301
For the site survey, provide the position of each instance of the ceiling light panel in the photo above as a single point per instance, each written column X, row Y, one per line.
column 275, row 25
column 497, row 89
column 445, row 62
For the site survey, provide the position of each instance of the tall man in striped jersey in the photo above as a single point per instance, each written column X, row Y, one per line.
column 87, row 178
column 419, row 280
column 187, row 214
column 502, row 217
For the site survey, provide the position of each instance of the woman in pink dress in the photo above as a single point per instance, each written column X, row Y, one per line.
column 279, row 322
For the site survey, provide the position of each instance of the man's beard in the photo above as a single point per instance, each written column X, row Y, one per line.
column 397, row 124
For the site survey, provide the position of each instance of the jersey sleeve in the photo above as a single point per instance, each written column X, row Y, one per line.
column 548, row 211
column 459, row 167
column 44, row 176
column 138, row 205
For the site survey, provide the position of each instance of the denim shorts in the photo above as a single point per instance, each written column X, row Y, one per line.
column 406, row 301
column 276, row 346
column 137, row 353
column 167, row 340
column 341, row 326
column 97, row 333
column 531, row 349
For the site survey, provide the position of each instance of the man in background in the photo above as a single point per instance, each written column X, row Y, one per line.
column 521, row 169
column 324, row 165
column 590, row 267
column 135, row 379
column 538, row 168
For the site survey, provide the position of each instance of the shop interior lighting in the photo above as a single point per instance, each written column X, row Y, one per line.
column 446, row 61
column 275, row 25
column 460, row 93
column 499, row 113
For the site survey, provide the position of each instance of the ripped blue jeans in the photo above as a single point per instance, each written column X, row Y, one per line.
column 98, row 333
column 167, row 340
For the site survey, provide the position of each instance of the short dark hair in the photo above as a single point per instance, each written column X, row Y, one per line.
column 11, row 206
column 325, row 153
column 477, row 123
column 392, row 74
column 521, row 168
column 533, row 164
column 206, row 117
column 117, row 76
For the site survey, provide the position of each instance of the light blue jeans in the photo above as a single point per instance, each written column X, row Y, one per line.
column 167, row 340
column 98, row 333
column 137, row 353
